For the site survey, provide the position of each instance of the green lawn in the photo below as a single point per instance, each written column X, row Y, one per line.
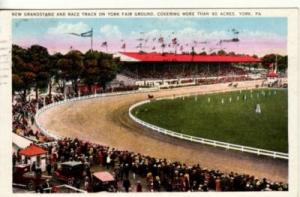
column 234, row 122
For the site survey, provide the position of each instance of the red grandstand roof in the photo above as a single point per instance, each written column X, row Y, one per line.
column 32, row 150
column 158, row 57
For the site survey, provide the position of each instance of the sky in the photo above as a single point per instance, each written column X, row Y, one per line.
column 257, row 35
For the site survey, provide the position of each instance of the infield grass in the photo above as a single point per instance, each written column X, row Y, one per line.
column 234, row 122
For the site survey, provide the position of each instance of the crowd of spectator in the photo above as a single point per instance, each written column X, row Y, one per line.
column 181, row 71
column 23, row 116
column 160, row 174
column 222, row 80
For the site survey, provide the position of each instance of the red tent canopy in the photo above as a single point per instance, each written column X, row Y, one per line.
column 168, row 57
column 32, row 150
column 104, row 176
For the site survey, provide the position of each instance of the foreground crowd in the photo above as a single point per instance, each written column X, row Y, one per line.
column 159, row 174
column 172, row 176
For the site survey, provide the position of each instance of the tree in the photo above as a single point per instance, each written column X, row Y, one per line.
column 35, row 68
column 38, row 57
column 267, row 60
column 232, row 53
column 91, row 71
column 53, row 71
column 221, row 52
column 282, row 61
column 22, row 72
column 108, row 70
column 99, row 68
column 71, row 68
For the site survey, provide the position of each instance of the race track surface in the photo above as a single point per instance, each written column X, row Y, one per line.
column 106, row 121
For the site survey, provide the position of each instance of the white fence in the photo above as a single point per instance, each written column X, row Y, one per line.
column 76, row 99
column 156, row 128
column 203, row 140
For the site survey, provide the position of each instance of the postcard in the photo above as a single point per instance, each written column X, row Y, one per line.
column 183, row 101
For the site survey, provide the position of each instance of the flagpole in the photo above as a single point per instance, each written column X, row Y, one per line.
column 92, row 40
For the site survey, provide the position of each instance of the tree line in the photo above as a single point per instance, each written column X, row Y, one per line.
column 34, row 68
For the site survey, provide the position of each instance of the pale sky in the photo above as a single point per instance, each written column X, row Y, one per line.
column 257, row 35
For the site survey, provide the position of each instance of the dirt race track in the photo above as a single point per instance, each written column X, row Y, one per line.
column 106, row 121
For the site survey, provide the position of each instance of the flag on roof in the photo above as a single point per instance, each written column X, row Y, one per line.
column 174, row 41
column 104, row 44
column 123, row 46
column 235, row 31
column 87, row 34
column 161, row 40
column 84, row 34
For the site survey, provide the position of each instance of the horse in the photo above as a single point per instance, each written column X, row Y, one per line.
column 150, row 96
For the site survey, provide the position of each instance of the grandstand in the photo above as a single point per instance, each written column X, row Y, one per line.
column 169, row 69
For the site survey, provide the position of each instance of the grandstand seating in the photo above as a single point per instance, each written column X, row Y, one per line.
column 145, row 72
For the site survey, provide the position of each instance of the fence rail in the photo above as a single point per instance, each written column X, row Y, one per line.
column 210, row 142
